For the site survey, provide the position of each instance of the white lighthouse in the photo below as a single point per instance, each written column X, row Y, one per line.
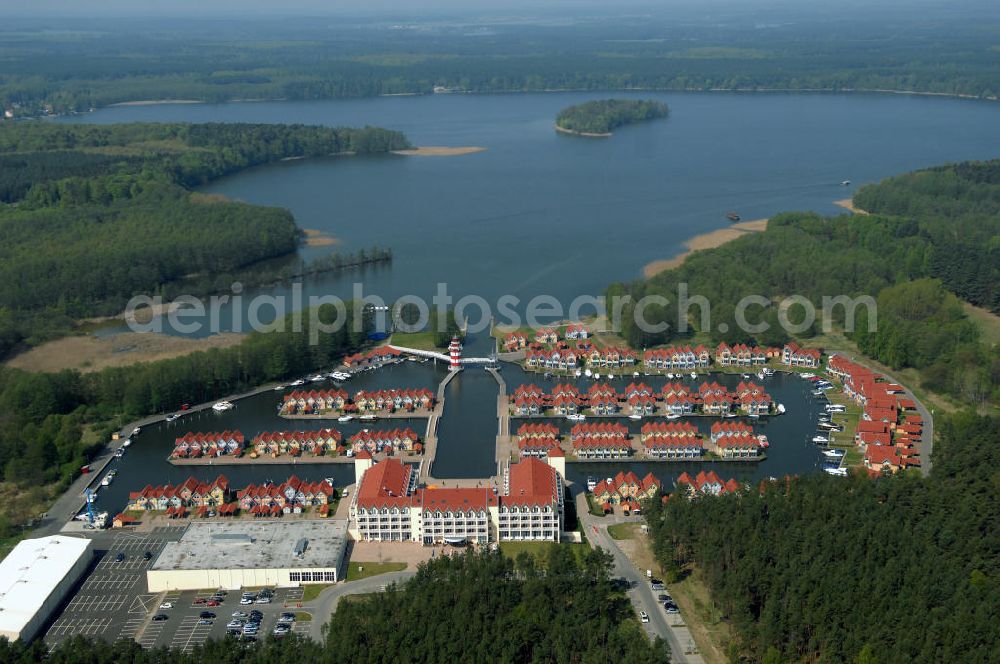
column 455, row 353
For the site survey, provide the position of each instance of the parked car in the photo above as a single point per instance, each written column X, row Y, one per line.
column 643, row 616
column 671, row 608
column 658, row 585
column 206, row 614
column 147, row 556
column 256, row 614
column 287, row 615
column 200, row 601
column 240, row 614
column 263, row 600
column 212, row 602
column 160, row 616
column 246, row 600
column 206, row 621
column 120, row 557
column 167, row 605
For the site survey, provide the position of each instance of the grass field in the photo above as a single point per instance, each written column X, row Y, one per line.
column 622, row 531
column 312, row 591
column 540, row 549
column 362, row 570
column 418, row 340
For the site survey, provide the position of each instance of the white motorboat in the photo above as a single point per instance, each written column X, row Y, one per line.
column 845, row 183
column 222, row 406
column 576, row 417
column 838, row 472
column 368, row 418
column 821, row 440
column 106, row 481
column 635, row 374
column 345, row 418
column 673, row 416
column 764, row 442
column 807, row 375
column 588, row 373
column 296, row 383
column 173, row 416
column 278, row 388
column 781, row 409
column 119, row 453
column 135, row 431
column 328, row 480
column 126, row 442
column 767, row 371
column 693, row 375
column 670, row 376
column 635, row 416
column 318, row 378
column 833, row 454
column 591, row 483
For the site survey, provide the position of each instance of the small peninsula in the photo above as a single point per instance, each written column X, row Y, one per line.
column 597, row 118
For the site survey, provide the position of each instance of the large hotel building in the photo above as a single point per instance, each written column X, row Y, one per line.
column 389, row 506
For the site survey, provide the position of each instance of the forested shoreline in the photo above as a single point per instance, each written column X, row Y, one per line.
column 123, row 61
column 911, row 256
column 96, row 214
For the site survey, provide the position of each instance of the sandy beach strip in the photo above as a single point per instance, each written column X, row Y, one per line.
column 848, row 204
column 153, row 102
column 587, row 134
column 708, row 240
column 439, row 151
column 317, row 238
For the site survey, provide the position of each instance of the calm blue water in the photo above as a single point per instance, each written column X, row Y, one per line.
column 543, row 213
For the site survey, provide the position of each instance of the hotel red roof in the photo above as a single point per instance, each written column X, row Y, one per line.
column 532, row 482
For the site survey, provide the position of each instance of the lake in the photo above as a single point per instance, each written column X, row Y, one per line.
column 540, row 213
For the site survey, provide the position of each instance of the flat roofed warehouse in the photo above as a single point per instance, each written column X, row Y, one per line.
column 34, row 579
column 238, row 554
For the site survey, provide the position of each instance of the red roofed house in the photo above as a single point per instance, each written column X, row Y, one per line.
column 795, row 356
column 532, row 506
column 706, row 483
column 626, row 488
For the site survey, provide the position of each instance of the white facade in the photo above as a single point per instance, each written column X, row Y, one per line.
column 239, row 554
column 35, row 578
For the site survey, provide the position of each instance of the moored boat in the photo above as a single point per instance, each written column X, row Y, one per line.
column 222, row 406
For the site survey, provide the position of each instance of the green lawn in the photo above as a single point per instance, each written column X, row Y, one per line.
column 302, row 616
column 622, row 531
column 418, row 340
column 592, row 506
column 362, row 570
column 540, row 549
column 312, row 591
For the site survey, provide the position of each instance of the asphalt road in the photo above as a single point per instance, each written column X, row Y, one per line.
column 322, row 607
column 677, row 636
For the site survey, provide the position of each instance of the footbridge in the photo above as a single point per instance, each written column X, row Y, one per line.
column 487, row 361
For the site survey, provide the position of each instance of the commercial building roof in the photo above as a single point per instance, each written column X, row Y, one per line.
column 256, row 544
column 31, row 572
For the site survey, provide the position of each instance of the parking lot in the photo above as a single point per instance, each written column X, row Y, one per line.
column 111, row 601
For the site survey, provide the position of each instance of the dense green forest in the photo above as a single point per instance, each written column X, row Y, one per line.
column 43, row 417
column 53, row 65
column 913, row 259
column 899, row 569
column 96, row 214
column 464, row 608
column 602, row 115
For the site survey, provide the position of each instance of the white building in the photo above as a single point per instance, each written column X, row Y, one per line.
column 34, row 579
column 389, row 507
column 238, row 554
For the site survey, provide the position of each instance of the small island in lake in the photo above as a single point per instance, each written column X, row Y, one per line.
column 599, row 117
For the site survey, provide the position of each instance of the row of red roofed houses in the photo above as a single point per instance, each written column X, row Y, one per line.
column 373, row 358
column 318, row 402
column 196, row 445
column 602, row 399
column 679, row 441
column 218, row 497
column 376, row 441
column 565, row 358
column 600, row 440
column 706, row 483
column 546, row 335
column 890, row 426
column 321, row 442
column 627, row 490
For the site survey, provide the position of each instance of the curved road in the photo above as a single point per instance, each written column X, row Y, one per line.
column 322, row 607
